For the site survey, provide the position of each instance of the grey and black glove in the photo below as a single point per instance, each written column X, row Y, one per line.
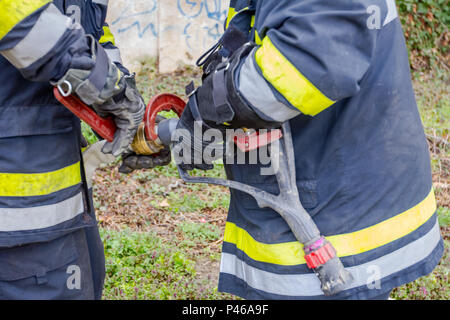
column 110, row 92
column 128, row 109
column 132, row 161
column 190, row 142
column 215, row 105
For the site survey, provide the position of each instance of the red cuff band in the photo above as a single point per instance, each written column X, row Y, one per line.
column 320, row 256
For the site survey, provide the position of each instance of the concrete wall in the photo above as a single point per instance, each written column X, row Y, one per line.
column 175, row 31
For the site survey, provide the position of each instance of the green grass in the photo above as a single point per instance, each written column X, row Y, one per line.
column 433, row 100
column 144, row 266
column 91, row 138
column 434, row 286
column 200, row 231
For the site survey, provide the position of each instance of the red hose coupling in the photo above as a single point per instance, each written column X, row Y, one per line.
column 319, row 256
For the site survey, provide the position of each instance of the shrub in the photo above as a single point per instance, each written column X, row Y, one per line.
column 425, row 24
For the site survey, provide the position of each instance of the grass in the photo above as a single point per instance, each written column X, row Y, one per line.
column 433, row 100
column 163, row 237
column 142, row 266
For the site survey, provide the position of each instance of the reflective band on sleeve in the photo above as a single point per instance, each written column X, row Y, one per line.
column 258, row 40
column 291, row 253
column 114, row 55
column 39, row 184
column 13, row 11
column 107, row 36
column 289, row 81
column 22, row 219
column 258, row 92
column 231, row 13
column 44, row 35
column 102, row 2
column 309, row 284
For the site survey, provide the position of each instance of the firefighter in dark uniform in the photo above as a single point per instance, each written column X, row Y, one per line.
column 338, row 71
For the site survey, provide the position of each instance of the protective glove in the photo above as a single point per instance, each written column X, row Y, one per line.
column 132, row 161
column 215, row 105
column 128, row 110
column 110, row 92
column 189, row 145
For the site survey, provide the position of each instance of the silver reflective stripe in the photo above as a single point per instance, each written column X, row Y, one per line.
column 22, row 219
column 114, row 55
column 257, row 91
column 103, row 2
column 309, row 285
column 392, row 12
column 44, row 35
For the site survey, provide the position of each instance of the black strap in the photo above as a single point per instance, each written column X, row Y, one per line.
column 194, row 108
column 204, row 57
column 220, row 97
column 233, row 39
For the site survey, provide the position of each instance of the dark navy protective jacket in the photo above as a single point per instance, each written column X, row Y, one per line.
column 339, row 72
column 42, row 190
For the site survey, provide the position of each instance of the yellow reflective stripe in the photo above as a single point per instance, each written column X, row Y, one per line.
column 289, row 81
column 231, row 13
column 258, row 40
column 286, row 254
column 39, row 184
column 14, row 11
column 107, row 36
column 291, row 253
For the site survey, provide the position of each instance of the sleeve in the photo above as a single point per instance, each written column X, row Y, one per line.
column 104, row 35
column 103, row 32
column 108, row 42
column 310, row 54
column 40, row 41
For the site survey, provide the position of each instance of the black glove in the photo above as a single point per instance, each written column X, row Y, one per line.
column 189, row 144
column 133, row 161
column 128, row 110
column 217, row 105
column 109, row 92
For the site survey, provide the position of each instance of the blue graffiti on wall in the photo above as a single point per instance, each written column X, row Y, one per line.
column 133, row 21
column 192, row 9
column 144, row 22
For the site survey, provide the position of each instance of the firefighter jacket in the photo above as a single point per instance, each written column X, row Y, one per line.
column 43, row 193
column 339, row 72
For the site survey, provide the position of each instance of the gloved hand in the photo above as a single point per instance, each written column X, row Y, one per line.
column 128, row 110
column 217, row 105
column 189, row 145
column 110, row 92
column 132, row 161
